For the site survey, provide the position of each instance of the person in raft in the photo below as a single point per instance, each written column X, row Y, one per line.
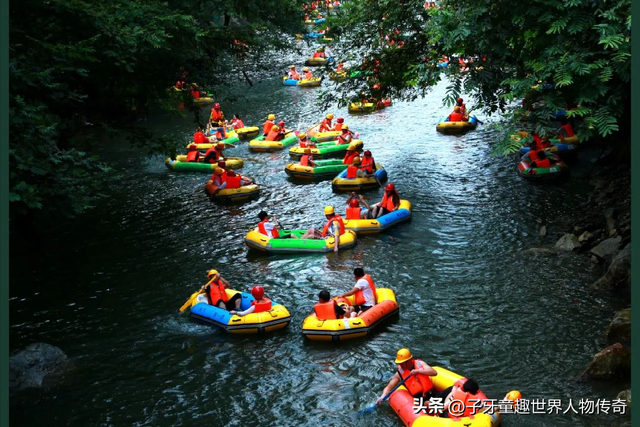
column 565, row 130
column 193, row 155
column 364, row 291
column 417, row 374
column 237, row 122
column 213, row 154
column 539, row 159
column 308, row 75
column 354, row 170
column 333, row 228
column 354, row 211
column 325, row 126
column 389, row 203
column 268, row 124
column 338, row 125
column 319, row 53
column 259, row 305
column 199, row 137
column 346, row 136
column 216, row 114
column 327, row 308
column 305, row 141
column 293, row 74
column 351, row 154
column 307, row 158
column 368, row 164
column 270, row 229
column 216, row 295
column 237, row 180
column 457, row 116
column 539, row 143
column 463, row 107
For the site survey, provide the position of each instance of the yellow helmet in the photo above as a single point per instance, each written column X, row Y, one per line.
column 212, row 273
column 271, row 117
column 345, row 127
column 302, row 135
column 305, row 69
column 292, row 66
column 403, row 355
column 356, row 160
column 307, row 151
column 330, row 116
column 328, row 210
column 275, row 128
column 218, row 171
column 351, row 147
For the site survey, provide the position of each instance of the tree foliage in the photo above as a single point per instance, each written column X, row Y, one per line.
column 580, row 48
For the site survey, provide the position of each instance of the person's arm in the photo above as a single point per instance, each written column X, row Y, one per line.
column 363, row 202
column 336, row 234
column 394, row 382
column 224, row 281
column 425, row 370
column 351, row 292
column 244, row 313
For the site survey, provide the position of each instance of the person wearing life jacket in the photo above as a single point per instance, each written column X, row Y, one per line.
column 327, row 308
column 340, row 67
column 333, row 228
column 390, row 202
column 193, row 155
column 268, row 124
column 181, row 84
column 273, row 134
column 540, row 143
column 463, row 107
column 307, row 158
column 346, row 136
column 367, row 163
column 215, row 291
column 293, row 74
column 216, row 114
column 417, row 374
column 213, row 154
column 325, row 126
column 539, row 160
column 307, row 73
column 338, row 125
column 456, row 116
column 237, row 122
column 566, row 130
column 221, row 133
column 467, row 392
column 354, row 171
column 364, row 291
column 305, row 141
column 282, row 132
column 199, row 137
column 195, row 92
column 268, row 228
column 350, row 155
column 319, row 53
column 219, row 179
column 354, row 211
column 258, row 305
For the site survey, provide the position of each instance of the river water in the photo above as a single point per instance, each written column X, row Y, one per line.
column 108, row 287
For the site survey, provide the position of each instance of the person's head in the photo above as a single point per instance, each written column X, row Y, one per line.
column 358, row 272
column 330, row 116
column 302, row 136
column 340, row 120
column 329, row 212
column 456, row 109
column 356, row 160
column 307, row 151
column 403, row 357
column 222, row 164
column 220, row 145
column 351, row 148
column 344, row 128
column 367, row 153
column 263, row 215
column 218, row 171
column 275, row 128
column 199, row 129
column 271, row 117
column 305, row 69
column 390, row 188
column 231, row 172
column 459, row 101
column 353, row 203
column 193, row 147
column 324, row 296
column 237, row 117
column 257, row 292
column 211, row 274
column 216, row 106
column 470, row 386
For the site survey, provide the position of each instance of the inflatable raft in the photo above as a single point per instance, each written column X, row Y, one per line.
column 403, row 404
column 558, row 145
column 445, row 126
column 326, row 136
column 355, row 327
column 181, row 164
column 231, row 138
column 256, row 240
column 234, row 194
column 370, row 226
column 253, row 323
column 556, row 169
column 248, row 132
column 315, row 62
column 342, row 183
column 312, row 82
column 338, row 77
column 326, row 149
column 360, row 107
column 323, row 169
column 260, row 145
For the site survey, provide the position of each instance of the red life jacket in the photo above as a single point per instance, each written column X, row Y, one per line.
column 352, row 172
column 325, row 310
column 304, row 160
column 328, row 224
column 199, row 138
column 238, row 124
column 359, row 295
column 455, row 117
column 261, row 306
column 266, row 127
column 348, row 158
column 216, row 115
column 263, row 230
column 387, row 202
column 544, row 163
column 192, row 156
column 325, row 126
column 569, row 129
column 317, row 55
column 214, row 150
column 416, row 383
column 533, row 155
column 216, row 292
column 195, row 94
column 234, row 181
column 353, row 213
column 367, row 164
column 271, row 136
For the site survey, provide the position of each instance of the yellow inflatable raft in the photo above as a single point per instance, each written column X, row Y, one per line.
column 248, row 132
column 355, row 327
column 331, row 135
column 314, row 62
column 234, row 194
column 342, row 183
column 181, row 164
column 359, row 107
column 256, row 240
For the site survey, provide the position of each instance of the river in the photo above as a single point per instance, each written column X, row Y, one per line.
column 107, row 287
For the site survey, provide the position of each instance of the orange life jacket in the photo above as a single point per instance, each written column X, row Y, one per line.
column 293, row 74
column 216, row 292
column 317, row 55
column 304, row 143
column 345, row 138
column 215, row 150
column 367, row 164
column 359, row 295
column 455, row 117
column 325, row 126
column 234, row 181
column 271, row 136
column 216, row 115
column 348, row 158
column 266, row 127
column 308, row 75
column 339, row 68
column 325, row 310
column 352, row 172
column 387, row 202
column 464, row 397
column 237, row 124
column 353, row 213
column 416, row 383
column 569, row 129
column 199, row 138
column 192, row 156
column 304, row 160
column 262, row 230
column 338, row 126
column 261, row 306
column 338, row 218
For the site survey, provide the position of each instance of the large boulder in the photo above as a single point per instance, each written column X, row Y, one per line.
column 29, row 367
column 611, row 362
column 620, row 328
column 619, row 273
column 568, row 242
column 607, row 248
column 625, row 395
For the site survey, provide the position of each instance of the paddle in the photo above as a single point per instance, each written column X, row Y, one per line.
column 192, row 297
column 385, row 397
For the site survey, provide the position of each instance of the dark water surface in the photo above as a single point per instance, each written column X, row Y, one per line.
column 109, row 286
